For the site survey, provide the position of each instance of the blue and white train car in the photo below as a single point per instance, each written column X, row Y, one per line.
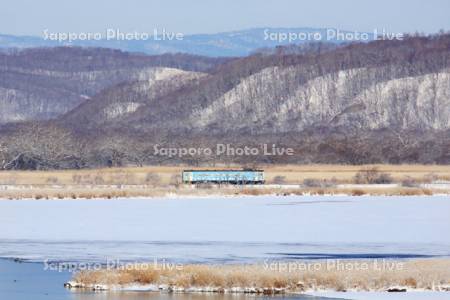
column 223, row 176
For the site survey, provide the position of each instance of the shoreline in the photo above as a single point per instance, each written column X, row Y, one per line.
column 113, row 192
column 442, row 289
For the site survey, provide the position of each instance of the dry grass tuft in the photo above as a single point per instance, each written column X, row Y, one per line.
column 415, row 274
column 358, row 192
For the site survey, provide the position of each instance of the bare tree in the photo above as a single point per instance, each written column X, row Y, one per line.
column 37, row 146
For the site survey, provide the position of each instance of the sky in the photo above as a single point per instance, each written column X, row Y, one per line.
column 31, row 17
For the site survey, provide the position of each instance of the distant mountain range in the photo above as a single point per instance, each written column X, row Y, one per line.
column 376, row 102
column 235, row 43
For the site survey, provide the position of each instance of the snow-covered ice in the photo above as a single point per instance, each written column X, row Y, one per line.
column 225, row 229
column 414, row 295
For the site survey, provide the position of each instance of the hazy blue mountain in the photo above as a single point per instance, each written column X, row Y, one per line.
column 235, row 43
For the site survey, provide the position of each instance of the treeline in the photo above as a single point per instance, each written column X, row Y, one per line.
column 40, row 146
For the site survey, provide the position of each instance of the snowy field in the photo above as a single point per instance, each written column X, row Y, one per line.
column 385, row 296
column 227, row 229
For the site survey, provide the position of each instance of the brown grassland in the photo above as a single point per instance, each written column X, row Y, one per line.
column 294, row 174
column 162, row 180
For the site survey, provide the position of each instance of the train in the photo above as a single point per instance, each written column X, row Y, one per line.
column 223, row 176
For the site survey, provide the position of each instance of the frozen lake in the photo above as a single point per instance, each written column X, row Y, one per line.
column 226, row 229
